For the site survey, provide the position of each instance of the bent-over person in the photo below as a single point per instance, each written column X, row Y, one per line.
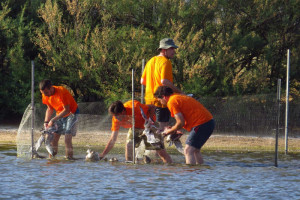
column 122, row 116
column 191, row 115
column 60, row 99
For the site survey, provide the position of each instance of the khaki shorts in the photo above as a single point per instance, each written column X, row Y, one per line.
column 139, row 136
column 67, row 125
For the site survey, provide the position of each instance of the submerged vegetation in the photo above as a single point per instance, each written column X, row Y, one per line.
column 225, row 47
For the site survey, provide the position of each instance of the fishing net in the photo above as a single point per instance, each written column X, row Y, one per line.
column 236, row 119
column 93, row 129
column 249, row 122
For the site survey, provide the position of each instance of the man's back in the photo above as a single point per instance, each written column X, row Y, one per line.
column 156, row 69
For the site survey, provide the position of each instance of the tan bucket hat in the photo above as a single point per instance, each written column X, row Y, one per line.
column 167, row 43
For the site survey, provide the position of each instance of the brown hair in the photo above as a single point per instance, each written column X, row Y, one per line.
column 163, row 91
column 116, row 108
column 45, row 84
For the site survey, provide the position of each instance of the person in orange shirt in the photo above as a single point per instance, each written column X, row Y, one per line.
column 60, row 99
column 158, row 72
column 191, row 115
column 122, row 116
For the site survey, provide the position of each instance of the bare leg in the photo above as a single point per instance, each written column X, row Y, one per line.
column 189, row 155
column 164, row 156
column 69, row 146
column 151, row 153
column 128, row 151
column 54, row 144
column 198, row 157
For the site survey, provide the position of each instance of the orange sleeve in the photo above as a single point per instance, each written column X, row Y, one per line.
column 45, row 100
column 115, row 124
column 65, row 97
column 174, row 107
column 144, row 74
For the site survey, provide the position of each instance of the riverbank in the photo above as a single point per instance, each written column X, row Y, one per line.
column 8, row 135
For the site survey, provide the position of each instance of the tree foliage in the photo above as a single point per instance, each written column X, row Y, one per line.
column 225, row 47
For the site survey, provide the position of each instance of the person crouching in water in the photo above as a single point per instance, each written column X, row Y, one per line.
column 122, row 116
column 190, row 115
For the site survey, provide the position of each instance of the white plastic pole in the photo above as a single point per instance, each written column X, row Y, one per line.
column 287, row 101
column 142, row 88
column 133, row 121
column 278, row 121
column 32, row 107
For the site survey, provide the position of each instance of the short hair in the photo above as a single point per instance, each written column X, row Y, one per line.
column 45, row 84
column 116, row 107
column 163, row 91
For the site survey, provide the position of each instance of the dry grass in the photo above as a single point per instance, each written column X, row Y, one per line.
column 216, row 142
column 244, row 143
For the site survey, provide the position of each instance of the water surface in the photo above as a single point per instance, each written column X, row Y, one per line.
column 224, row 176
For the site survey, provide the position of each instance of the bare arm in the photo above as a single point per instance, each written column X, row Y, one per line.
column 168, row 83
column 178, row 125
column 48, row 113
column 143, row 82
column 65, row 111
column 110, row 144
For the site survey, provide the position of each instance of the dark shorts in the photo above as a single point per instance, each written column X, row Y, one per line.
column 200, row 134
column 162, row 114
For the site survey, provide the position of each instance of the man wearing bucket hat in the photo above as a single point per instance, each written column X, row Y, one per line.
column 158, row 72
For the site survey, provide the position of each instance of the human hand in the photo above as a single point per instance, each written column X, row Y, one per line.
column 46, row 125
column 167, row 131
column 176, row 135
column 101, row 156
column 51, row 123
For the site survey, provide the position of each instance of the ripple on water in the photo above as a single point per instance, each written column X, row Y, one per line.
column 224, row 176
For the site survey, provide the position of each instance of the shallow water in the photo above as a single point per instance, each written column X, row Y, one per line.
column 224, row 176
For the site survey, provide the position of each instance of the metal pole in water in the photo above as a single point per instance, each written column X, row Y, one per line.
column 142, row 88
column 278, row 121
column 287, row 100
column 32, row 107
column 133, row 121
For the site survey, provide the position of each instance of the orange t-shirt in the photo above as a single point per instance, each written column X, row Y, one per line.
column 156, row 69
column 60, row 98
column 194, row 113
column 126, row 121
